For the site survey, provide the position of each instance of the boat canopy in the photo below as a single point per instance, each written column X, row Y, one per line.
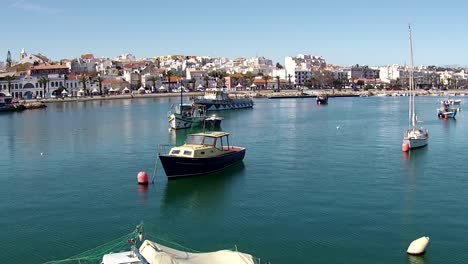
column 155, row 253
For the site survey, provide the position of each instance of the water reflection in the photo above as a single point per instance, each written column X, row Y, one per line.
column 199, row 191
column 416, row 259
column 143, row 192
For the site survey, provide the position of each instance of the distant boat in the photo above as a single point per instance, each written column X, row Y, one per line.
column 446, row 111
column 322, row 99
column 202, row 153
column 414, row 137
column 7, row 104
column 217, row 99
column 213, row 122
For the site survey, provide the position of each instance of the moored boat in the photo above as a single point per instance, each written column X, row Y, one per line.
column 217, row 99
column 186, row 115
column 322, row 99
column 414, row 137
column 202, row 153
column 446, row 111
column 213, row 122
column 137, row 248
column 7, row 104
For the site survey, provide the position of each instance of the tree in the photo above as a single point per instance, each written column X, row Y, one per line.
column 278, row 82
column 289, row 81
column 168, row 78
column 83, row 80
column 9, row 78
column 206, row 78
column 99, row 79
column 154, row 79
column 44, row 81
column 8, row 60
column 279, row 66
column 266, row 77
column 192, row 81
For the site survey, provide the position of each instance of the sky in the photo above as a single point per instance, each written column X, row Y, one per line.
column 343, row 32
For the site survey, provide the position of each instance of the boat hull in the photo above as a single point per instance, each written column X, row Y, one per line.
column 177, row 121
column 416, row 143
column 176, row 167
column 16, row 108
column 322, row 101
column 214, row 105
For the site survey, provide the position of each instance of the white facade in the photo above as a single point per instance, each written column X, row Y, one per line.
column 391, row 73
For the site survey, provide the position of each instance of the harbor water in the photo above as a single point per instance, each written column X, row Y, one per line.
column 319, row 184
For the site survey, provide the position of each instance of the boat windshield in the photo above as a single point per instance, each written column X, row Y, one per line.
column 195, row 140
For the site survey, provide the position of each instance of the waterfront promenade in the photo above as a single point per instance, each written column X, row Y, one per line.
column 258, row 94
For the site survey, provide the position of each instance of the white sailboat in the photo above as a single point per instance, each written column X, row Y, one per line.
column 414, row 137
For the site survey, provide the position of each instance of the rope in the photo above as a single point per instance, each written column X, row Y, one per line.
column 96, row 253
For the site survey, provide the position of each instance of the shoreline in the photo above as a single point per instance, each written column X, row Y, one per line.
column 257, row 94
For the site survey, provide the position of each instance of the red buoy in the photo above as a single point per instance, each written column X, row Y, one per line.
column 405, row 147
column 446, row 117
column 142, row 178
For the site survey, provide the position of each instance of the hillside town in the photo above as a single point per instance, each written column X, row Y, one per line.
column 33, row 76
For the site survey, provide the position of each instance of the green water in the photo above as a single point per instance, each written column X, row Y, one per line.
column 319, row 184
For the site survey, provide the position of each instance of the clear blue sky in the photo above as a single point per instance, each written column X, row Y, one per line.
column 344, row 32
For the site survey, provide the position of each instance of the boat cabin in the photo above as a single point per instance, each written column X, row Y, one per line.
column 203, row 145
column 190, row 110
column 5, row 100
column 216, row 94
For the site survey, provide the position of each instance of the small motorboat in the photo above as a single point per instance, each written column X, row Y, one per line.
column 322, row 99
column 213, row 122
column 202, row 153
column 446, row 110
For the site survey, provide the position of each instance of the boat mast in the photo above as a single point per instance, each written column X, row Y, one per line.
column 411, row 83
column 180, row 107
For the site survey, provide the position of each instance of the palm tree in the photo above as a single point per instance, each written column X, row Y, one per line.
column 206, row 79
column 44, row 81
column 83, row 80
column 99, row 79
column 192, row 81
column 9, row 78
column 154, row 79
column 289, row 80
column 266, row 77
column 278, row 82
column 168, row 78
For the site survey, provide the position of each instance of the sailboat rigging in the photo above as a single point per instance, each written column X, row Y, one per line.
column 414, row 137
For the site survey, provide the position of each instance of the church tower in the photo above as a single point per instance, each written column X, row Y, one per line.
column 23, row 54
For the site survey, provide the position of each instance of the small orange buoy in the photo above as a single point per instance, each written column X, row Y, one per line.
column 405, row 147
column 446, row 117
column 142, row 178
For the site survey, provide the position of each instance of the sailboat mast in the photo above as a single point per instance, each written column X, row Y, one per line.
column 411, row 82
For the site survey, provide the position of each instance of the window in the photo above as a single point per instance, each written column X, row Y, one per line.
column 175, row 152
column 188, row 153
column 194, row 139
column 209, row 141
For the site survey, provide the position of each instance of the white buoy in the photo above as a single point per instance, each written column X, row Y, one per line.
column 42, row 153
column 418, row 246
column 338, row 127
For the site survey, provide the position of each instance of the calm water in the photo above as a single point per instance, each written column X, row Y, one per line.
column 322, row 184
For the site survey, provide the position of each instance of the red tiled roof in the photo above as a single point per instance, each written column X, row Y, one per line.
column 88, row 56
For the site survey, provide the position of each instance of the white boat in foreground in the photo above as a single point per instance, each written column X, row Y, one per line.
column 144, row 251
column 414, row 137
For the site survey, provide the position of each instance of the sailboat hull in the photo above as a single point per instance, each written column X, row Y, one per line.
column 416, row 143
